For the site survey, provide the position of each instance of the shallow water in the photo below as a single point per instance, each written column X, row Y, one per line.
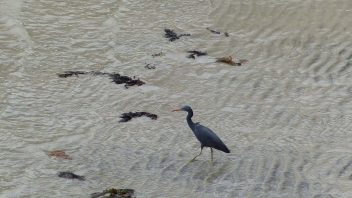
column 285, row 115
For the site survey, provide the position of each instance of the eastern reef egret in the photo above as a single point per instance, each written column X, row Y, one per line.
column 206, row 137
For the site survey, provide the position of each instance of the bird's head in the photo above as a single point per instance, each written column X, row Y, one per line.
column 184, row 108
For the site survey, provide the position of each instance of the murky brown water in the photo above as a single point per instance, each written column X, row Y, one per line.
column 286, row 115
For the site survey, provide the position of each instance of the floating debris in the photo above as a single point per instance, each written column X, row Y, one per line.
column 149, row 66
column 116, row 78
column 194, row 53
column 228, row 60
column 172, row 36
column 121, row 193
column 217, row 32
column 158, row 54
column 213, row 31
column 125, row 117
column 59, row 154
column 69, row 175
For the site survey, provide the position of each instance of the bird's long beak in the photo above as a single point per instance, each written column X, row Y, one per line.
column 177, row 110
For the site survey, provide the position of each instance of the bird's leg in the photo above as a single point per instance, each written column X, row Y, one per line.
column 211, row 150
column 201, row 149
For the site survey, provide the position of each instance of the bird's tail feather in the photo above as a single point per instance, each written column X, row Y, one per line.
column 226, row 150
column 223, row 148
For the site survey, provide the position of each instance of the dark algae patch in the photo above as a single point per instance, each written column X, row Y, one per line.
column 70, row 175
column 229, row 60
column 172, row 36
column 194, row 53
column 116, row 78
column 125, row 117
column 113, row 193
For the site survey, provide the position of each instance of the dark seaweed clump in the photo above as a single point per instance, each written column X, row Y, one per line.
column 123, row 193
column 172, row 36
column 194, row 53
column 125, row 117
column 119, row 79
column 69, row 175
column 149, row 66
column 116, row 78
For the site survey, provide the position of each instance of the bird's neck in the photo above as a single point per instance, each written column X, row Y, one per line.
column 189, row 119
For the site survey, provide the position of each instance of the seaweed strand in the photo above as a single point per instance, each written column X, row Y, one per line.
column 125, row 117
column 172, row 36
column 116, row 78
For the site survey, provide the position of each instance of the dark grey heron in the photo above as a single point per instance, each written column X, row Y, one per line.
column 206, row 137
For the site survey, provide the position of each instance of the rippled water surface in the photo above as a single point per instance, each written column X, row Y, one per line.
column 285, row 115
